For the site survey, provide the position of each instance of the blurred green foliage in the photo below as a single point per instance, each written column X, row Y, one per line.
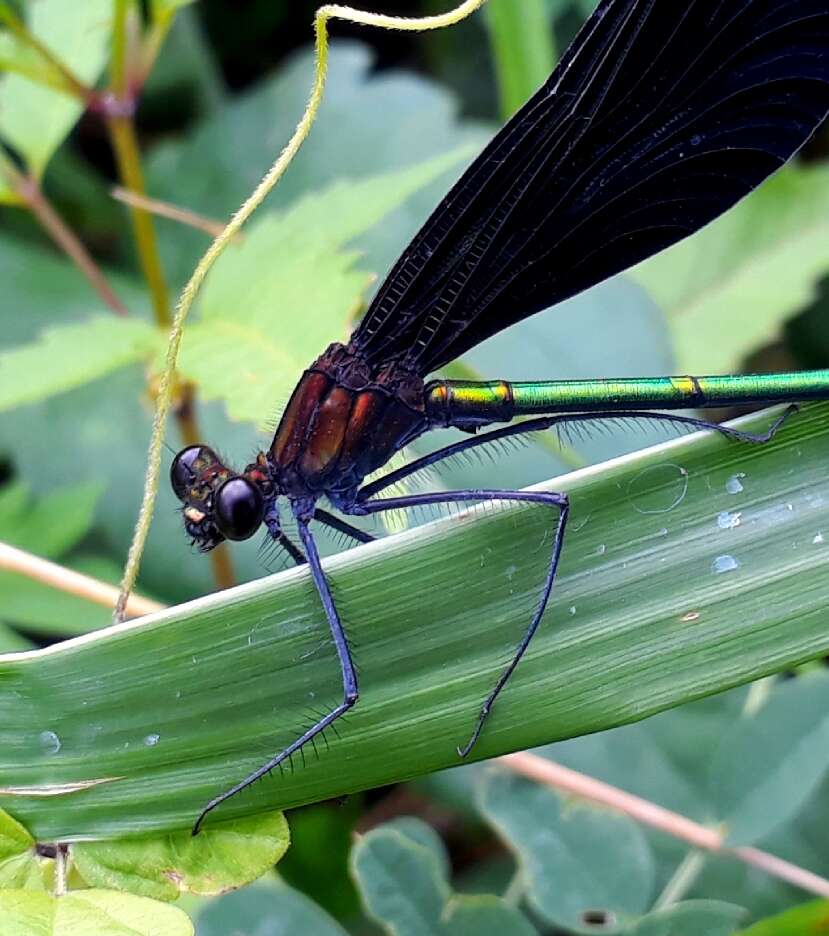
column 76, row 384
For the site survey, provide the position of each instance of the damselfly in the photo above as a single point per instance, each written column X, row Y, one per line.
column 660, row 116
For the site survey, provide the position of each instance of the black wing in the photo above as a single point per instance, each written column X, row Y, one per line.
column 660, row 116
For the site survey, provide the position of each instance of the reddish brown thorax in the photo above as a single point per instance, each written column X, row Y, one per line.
column 344, row 421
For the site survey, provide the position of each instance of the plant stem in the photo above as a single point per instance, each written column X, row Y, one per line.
column 61, row 869
column 66, row 580
column 682, row 880
column 167, row 210
column 570, row 781
column 119, row 109
column 125, row 145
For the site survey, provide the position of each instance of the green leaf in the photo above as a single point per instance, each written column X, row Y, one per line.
column 401, row 870
column 522, row 40
column 402, row 883
column 484, row 915
column 665, row 759
column 78, row 913
column 20, row 866
column 811, row 919
column 692, row 918
column 730, row 287
column 232, row 151
column 14, row 839
column 69, row 356
column 417, row 831
column 772, row 761
column 19, row 57
column 576, row 858
column 32, row 525
column 641, row 621
column 42, row 288
column 283, row 293
column 226, row 856
column 36, row 119
column 267, row 908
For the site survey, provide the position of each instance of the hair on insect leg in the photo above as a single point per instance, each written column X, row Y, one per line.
column 321, row 734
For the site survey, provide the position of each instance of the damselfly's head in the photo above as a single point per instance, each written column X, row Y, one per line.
column 219, row 503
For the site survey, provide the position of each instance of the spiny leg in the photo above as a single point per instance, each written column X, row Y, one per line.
column 349, row 678
column 557, row 501
column 340, row 526
column 277, row 535
column 543, row 423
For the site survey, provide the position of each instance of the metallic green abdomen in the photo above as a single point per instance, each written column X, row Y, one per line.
column 467, row 403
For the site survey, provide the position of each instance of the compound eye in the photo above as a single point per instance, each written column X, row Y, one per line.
column 238, row 508
column 184, row 470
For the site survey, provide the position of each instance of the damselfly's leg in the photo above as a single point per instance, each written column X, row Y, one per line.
column 542, row 423
column 337, row 524
column 558, row 502
column 340, row 526
column 349, row 677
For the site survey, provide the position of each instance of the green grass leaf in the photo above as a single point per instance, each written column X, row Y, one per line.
column 69, row 356
column 647, row 615
column 278, row 297
column 35, row 119
column 729, row 288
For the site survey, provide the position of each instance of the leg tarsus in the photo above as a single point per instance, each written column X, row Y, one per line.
column 317, row 729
